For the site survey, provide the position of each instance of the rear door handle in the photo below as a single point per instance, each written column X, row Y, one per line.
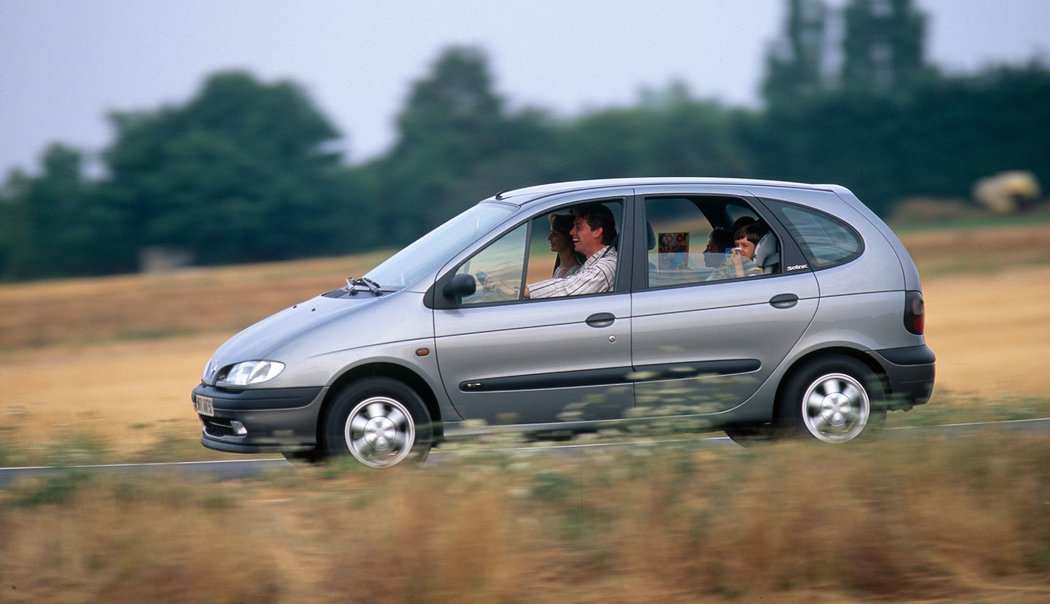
column 783, row 301
column 601, row 319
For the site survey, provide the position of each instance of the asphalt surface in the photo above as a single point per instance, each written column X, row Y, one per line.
column 254, row 467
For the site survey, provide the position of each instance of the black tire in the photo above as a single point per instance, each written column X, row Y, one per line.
column 834, row 400
column 378, row 421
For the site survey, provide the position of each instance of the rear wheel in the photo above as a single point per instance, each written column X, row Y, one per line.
column 834, row 400
column 380, row 422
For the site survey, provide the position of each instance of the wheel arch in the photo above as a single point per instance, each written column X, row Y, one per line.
column 389, row 370
column 825, row 353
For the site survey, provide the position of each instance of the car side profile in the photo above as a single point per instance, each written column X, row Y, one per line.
column 810, row 326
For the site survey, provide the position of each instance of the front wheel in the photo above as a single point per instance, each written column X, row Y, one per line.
column 834, row 400
column 378, row 421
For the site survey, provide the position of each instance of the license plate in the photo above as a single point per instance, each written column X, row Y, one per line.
column 205, row 404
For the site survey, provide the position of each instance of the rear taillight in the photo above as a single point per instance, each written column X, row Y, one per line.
column 914, row 312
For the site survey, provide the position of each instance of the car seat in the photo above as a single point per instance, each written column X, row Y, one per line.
column 767, row 256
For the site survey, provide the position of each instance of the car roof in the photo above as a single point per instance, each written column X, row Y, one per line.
column 527, row 194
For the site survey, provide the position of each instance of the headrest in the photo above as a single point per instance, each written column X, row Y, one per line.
column 766, row 253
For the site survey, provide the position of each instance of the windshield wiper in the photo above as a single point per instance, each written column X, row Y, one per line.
column 372, row 286
column 352, row 284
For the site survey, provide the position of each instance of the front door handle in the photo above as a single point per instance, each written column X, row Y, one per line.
column 601, row 319
column 783, row 301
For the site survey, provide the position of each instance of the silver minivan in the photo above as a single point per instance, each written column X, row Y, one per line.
column 765, row 309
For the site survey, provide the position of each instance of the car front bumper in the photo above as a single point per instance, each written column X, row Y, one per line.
column 910, row 374
column 260, row 420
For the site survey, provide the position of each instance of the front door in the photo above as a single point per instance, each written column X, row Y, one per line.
column 505, row 359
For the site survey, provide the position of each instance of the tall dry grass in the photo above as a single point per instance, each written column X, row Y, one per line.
column 915, row 519
column 70, row 540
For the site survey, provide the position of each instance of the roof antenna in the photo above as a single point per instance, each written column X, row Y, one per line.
column 562, row 162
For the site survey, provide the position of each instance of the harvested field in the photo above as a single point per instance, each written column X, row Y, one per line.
column 150, row 307
column 991, row 332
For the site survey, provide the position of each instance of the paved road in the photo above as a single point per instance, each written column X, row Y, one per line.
column 247, row 468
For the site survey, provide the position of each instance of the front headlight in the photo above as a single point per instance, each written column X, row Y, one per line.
column 251, row 372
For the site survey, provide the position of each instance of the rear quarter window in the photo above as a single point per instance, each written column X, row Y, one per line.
column 825, row 240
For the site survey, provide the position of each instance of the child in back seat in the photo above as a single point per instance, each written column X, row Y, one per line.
column 740, row 261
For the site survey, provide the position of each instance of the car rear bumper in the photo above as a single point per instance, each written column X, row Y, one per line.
column 909, row 373
column 260, row 420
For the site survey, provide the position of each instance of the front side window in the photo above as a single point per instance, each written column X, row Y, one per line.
column 498, row 269
column 550, row 252
column 825, row 240
column 575, row 250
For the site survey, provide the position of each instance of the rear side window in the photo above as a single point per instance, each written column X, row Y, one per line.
column 690, row 240
column 825, row 240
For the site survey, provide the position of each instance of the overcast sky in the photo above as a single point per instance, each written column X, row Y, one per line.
column 64, row 65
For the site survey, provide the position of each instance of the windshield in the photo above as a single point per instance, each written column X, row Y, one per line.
column 438, row 246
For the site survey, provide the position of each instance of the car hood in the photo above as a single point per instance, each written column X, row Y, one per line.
column 319, row 326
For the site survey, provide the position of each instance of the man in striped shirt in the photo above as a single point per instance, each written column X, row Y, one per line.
column 593, row 232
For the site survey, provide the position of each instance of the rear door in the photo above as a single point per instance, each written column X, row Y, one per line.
column 704, row 340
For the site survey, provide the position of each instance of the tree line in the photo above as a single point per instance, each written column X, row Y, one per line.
column 245, row 171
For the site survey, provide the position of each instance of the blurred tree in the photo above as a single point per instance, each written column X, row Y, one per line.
column 456, row 99
column 667, row 133
column 795, row 62
column 456, row 145
column 239, row 173
column 54, row 224
column 846, row 136
column 884, row 44
column 682, row 135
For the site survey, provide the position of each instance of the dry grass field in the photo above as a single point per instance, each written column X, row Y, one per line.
column 100, row 370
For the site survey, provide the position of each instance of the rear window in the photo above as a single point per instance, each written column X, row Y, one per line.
column 825, row 240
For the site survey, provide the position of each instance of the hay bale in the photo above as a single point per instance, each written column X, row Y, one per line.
column 1008, row 192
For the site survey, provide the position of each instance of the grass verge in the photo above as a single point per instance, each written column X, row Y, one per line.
column 167, row 441
column 921, row 517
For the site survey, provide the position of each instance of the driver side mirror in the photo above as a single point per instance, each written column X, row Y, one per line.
column 461, row 286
